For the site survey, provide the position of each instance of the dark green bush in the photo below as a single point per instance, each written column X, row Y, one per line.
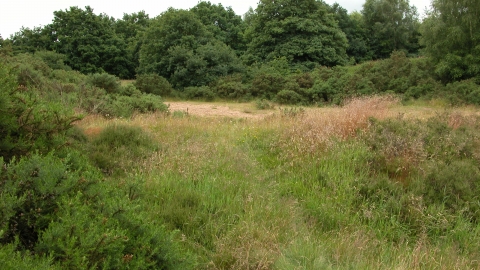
column 125, row 106
column 231, row 87
column 288, row 97
column 199, row 92
column 267, row 84
column 11, row 258
column 153, row 84
column 110, row 83
column 64, row 76
column 463, row 92
column 129, row 90
column 61, row 212
column 28, row 123
column 34, row 185
column 53, row 59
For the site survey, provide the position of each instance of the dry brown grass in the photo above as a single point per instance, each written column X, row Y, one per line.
column 317, row 129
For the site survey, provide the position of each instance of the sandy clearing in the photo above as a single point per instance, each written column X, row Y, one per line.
column 244, row 110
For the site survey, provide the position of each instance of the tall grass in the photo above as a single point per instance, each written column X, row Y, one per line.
column 324, row 189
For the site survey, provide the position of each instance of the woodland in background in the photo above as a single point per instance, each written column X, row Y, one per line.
column 210, row 45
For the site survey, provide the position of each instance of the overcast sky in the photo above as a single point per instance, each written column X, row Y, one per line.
column 30, row 13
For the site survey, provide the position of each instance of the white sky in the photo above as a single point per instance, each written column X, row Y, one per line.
column 30, row 13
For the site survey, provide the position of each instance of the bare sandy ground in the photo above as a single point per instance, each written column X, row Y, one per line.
column 241, row 110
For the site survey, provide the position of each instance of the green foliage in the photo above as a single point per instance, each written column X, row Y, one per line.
column 14, row 259
column 88, row 41
column 353, row 26
column 303, row 32
column 391, row 25
column 462, row 92
column 28, row 123
column 288, row 97
column 180, row 48
column 36, row 184
column 450, row 35
column 110, row 83
column 53, row 60
column 120, row 148
column 64, row 212
column 231, row 87
column 269, row 78
column 153, row 84
column 223, row 23
column 131, row 29
column 199, row 92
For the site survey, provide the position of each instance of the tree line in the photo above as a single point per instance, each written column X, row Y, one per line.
column 195, row 47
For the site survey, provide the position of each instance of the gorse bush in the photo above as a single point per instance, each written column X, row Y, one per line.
column 70, row 218
column 153, row 84
column 28, row 123
column 56, row 210
column 110, row 83
column 199, row 92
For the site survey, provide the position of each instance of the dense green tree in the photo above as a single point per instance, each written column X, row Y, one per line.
column 225, row 25
column 354, row 28
column 451, row 35
column 131, row 29
column 302, row 31
column 391, row 25
column 179, row 47
column 31, row 40
column 89, row 41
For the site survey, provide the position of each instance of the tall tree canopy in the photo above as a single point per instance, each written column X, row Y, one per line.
column 354, row 28
column 179, row 47
column 131, row 29
column 225, row 25
column 391, row 25
column 451, row 35
column 303, row 31
column 89, row 41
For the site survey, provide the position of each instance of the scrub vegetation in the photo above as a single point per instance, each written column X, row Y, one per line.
column 362, row 150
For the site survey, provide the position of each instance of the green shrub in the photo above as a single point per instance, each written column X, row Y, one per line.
column 267, row 84
column 28, row 123
column 110, row 83
column 463, row 92
column 288, row 97
column 53, row 59
column 129, row 90
column 64, row 76
column 153, row 84
column 33, row 187
column 231, row 87
column 63, row 214
column 11, row 258
column 125, row 106
column 199, row 92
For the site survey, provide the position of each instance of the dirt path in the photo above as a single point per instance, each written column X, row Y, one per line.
column 240, row 110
